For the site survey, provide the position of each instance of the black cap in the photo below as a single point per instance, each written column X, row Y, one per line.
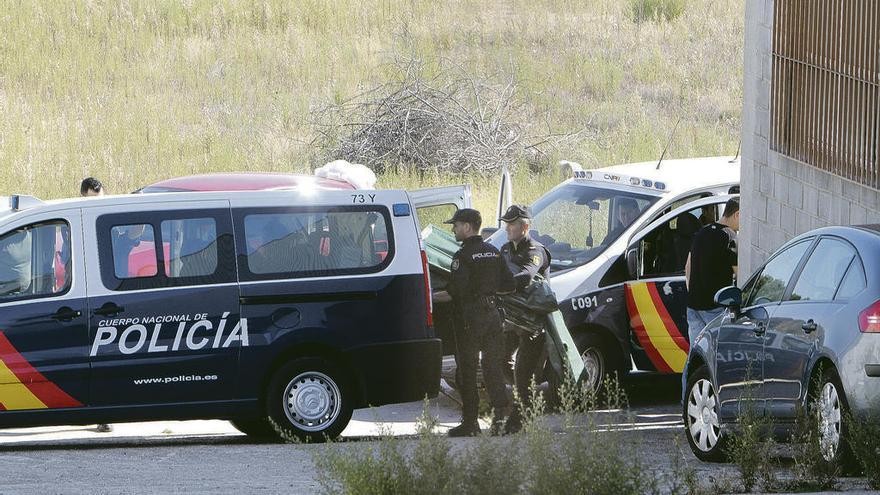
column 516, row 211
column 466, row 215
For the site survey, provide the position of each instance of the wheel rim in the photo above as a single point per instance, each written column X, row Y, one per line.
column 829, row 418
column 703, row 425
column 312, row 401
column 594, row 366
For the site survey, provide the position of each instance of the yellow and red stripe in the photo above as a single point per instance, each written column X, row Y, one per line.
column 23, row 387
column 655, row 330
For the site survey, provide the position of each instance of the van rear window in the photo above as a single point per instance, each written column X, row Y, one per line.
column 284, row 244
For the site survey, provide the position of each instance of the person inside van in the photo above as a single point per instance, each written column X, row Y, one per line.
column 15, row 263
column 125, row 238
column 627, row 213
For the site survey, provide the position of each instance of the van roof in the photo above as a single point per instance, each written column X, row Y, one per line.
column 301, row 196
column 675, row 175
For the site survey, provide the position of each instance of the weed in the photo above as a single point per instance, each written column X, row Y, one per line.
column 656, row 10
column 864, row 440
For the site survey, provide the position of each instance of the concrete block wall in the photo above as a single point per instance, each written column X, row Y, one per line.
column 782, row 197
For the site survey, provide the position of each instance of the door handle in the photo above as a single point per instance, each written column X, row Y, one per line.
column 66, row 314
column 760, row 328
column 109, row 309
column 810, row 326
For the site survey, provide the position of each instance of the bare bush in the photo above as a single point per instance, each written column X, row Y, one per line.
column 451, row 122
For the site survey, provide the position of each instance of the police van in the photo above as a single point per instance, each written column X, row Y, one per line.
column 281, row 311
column 619, row 238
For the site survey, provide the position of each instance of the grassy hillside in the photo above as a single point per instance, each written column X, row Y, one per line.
column 135, row 91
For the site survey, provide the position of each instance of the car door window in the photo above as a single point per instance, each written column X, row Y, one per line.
column 823, row 272
column 854, row 281
column 35, row 261
column 769, row 286
column 665, row 250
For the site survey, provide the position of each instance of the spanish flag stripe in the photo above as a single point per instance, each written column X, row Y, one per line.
column 641, row 334
column 14, row 395
column 656, row 330
column 22, row 372
column 673, row 329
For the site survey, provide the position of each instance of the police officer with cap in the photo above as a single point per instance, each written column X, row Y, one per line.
column 478, row 274
column 526, row 258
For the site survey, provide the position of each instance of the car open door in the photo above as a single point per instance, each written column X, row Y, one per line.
column 656, row 294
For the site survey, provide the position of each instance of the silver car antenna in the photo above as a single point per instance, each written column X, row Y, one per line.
column 738, row 148
column 669, row 142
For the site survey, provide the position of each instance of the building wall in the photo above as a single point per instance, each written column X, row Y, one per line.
column 782, row 197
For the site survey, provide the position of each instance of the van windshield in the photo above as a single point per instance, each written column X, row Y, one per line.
column 578, row 222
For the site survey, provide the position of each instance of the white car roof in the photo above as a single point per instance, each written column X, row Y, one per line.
column 679, row 175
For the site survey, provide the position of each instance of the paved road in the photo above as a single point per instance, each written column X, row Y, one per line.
column 212, row 457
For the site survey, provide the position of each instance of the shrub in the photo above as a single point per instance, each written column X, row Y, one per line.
column 656, row 10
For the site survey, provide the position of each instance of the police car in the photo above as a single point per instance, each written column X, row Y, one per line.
column 279, row 310
column 619, row 239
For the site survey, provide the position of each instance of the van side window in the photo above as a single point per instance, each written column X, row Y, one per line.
column 290, row 243
column 192, row 247
column 134, row 252
column 148, row 250
column 35, row 261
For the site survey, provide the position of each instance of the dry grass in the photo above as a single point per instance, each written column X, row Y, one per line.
column 136, row 90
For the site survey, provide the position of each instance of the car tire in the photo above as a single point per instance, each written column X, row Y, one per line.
column 309, row 400
column 258, row 429
column 828, row 403
column 598, row 359
column 702, row 421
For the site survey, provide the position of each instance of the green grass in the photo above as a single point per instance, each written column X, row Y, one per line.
column 136, row 91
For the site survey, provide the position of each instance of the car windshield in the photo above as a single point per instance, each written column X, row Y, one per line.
column 578, row 222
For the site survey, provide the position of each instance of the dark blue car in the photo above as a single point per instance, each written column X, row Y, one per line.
column 803, row 334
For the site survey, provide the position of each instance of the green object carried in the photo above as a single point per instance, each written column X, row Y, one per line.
column 440, row 246
column 562, row 350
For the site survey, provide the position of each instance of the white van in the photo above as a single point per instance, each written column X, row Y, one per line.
column 619, row 238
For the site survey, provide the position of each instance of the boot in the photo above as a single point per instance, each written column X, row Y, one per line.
column 465, row 429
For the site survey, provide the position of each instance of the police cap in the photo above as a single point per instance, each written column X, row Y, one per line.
column 466, row 215
column 516, row 212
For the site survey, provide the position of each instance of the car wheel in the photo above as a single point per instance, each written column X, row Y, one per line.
column 309, row 400
column 258, row 429
column 702, row 423
column 595, row 356
column 830, row 407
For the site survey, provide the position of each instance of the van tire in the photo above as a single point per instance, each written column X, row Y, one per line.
column 599, row 361
column 258, row 429
column 309, row 400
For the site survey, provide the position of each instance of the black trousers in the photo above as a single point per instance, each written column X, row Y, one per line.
column 480, row 330
column 529, row 361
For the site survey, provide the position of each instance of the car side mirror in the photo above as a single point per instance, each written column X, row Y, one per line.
column 730, row 298
column 632, row 262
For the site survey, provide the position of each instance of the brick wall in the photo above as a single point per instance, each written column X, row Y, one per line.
column 781, row 197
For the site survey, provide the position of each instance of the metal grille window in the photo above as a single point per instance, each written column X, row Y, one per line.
column 824, row 98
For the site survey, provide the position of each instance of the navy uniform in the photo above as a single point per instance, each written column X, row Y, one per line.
column 526, row 259
column 478, row 275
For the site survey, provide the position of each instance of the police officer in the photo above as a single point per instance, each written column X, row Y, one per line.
column 525, row 258
column 478, row 274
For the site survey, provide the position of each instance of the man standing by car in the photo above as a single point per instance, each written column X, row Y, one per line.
column 525, row 258
column 89, row 187
column 478, row 274
column 711, row 265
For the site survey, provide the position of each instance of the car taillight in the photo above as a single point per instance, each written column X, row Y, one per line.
column 429, row 304
column 869, row 319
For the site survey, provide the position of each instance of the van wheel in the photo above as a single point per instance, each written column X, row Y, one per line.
column 702, row 422
column 597, row 361
column 258, row 429
column 309, row 400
